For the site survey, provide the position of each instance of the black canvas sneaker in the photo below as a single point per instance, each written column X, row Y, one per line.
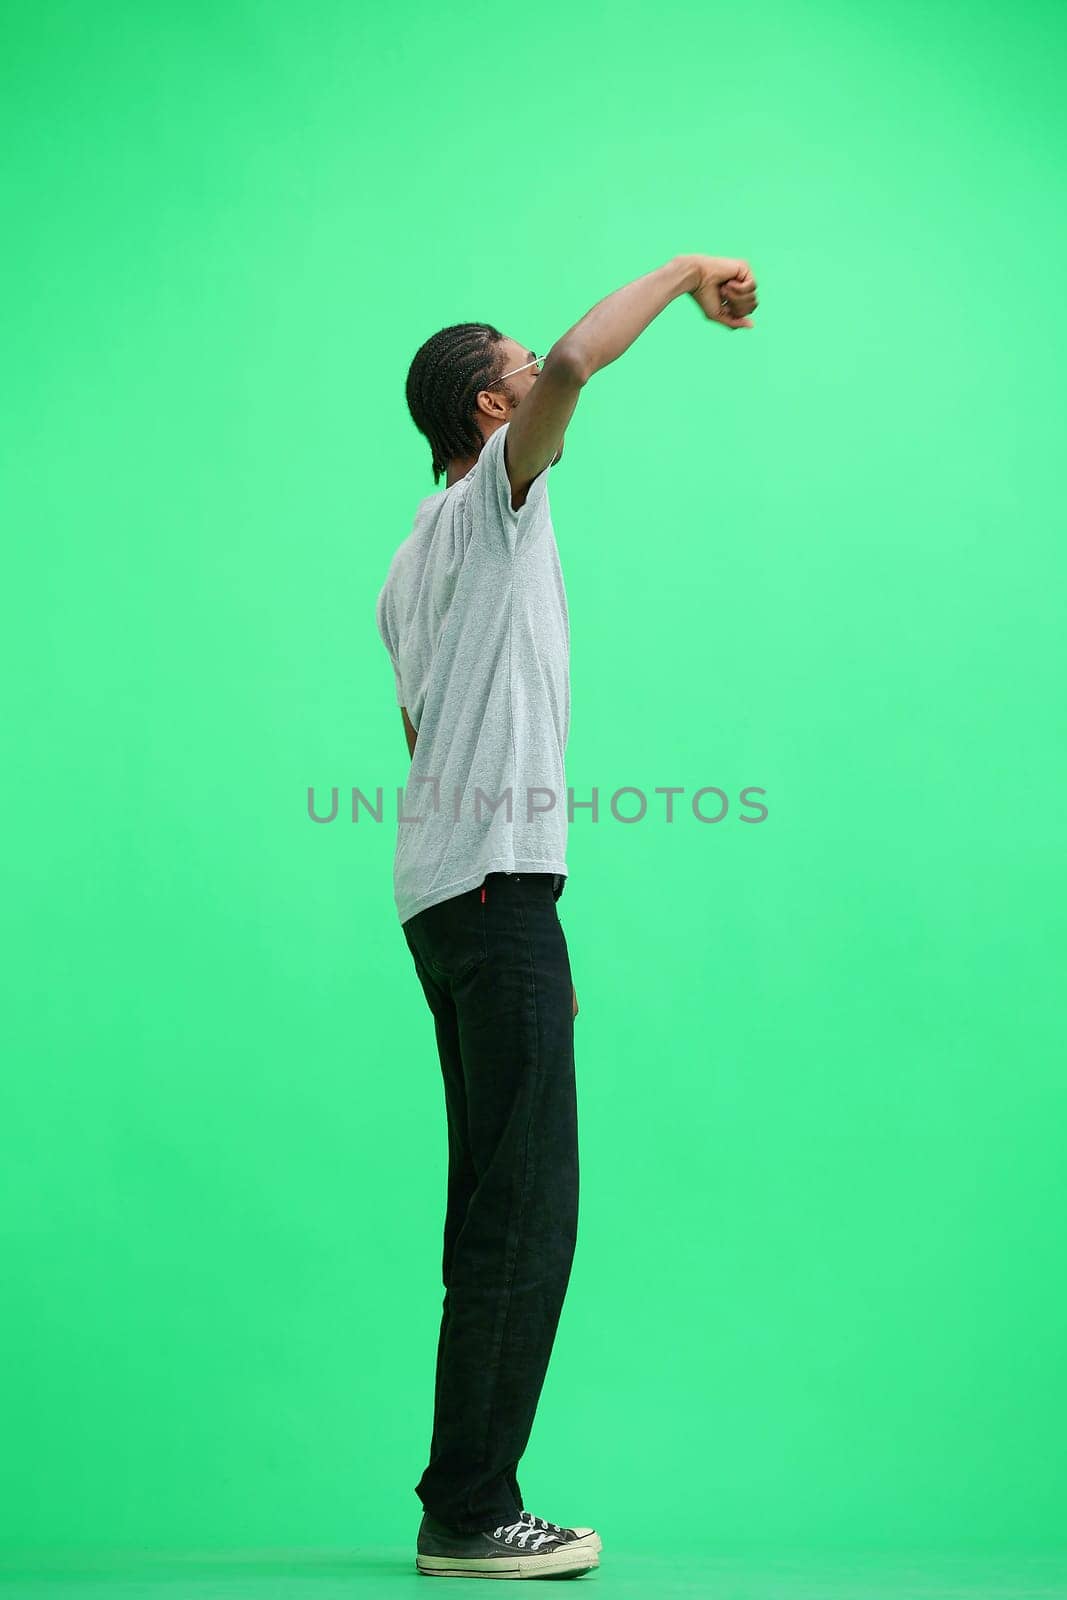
column 582, row 1535
column 517, row 1548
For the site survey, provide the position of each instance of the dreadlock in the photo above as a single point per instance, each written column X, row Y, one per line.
column 443, row 381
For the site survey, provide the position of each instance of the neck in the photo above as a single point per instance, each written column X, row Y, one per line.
column 461, row 466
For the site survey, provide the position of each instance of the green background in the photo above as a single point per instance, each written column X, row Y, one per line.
column 818, row 1296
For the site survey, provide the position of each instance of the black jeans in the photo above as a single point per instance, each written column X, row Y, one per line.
column 496, row 974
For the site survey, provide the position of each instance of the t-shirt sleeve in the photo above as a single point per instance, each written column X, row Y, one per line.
column 385, row 631
column 490, row 496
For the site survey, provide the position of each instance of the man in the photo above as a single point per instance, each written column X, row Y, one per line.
column 473, row 614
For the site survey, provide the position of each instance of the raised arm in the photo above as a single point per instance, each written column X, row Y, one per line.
column 723, row 287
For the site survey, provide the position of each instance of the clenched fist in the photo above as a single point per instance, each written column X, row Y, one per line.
column 726, row 292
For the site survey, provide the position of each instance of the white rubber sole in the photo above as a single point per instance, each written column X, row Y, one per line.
column 570, row 1560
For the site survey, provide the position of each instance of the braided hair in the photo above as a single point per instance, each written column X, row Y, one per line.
column 443, row 382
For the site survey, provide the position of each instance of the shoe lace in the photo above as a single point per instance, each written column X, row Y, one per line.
column 524, row 1533
column 539, row 1522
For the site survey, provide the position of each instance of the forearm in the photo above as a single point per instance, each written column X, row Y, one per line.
column 615, row 322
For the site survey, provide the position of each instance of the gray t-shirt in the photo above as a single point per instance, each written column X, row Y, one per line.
column 473, row 614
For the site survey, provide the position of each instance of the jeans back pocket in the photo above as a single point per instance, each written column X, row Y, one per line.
column 452, row 935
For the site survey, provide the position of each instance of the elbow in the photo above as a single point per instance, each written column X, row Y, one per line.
column 567, row 356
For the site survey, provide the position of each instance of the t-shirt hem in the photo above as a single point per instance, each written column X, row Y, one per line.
column 407, row 909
